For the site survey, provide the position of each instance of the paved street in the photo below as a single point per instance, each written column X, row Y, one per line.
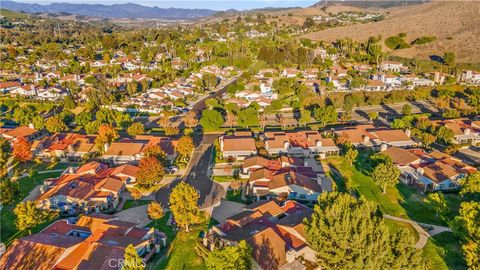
column 197, row 175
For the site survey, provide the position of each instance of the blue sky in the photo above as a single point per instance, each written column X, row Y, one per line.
column 210, row 4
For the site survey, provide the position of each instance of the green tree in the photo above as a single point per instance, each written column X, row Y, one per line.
column 131, row 259
column 123, row 120
column 364, row 242
column 449, row 59
column 305, row 117
column 373, row 116
column 407, row 109
column 231, row 257
column 155, row 211
column 211, row 103
column 135, row 129
column 211, row 120
column 54, row 124
column 183, row 204
column 445, row 134
column 5, row 153
column 9, row 192
column 325, row 115
column 248, row 118
column 38, row 122
column 351, row 155
column 83, row 118
column 471, row 184
column 29, row 216
column 185, row 146
column 386, row 174
column 437, row 202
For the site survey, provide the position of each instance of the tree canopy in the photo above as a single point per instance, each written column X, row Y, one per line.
column 183, row 204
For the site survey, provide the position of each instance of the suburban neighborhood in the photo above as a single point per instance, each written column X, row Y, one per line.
column 236, row 139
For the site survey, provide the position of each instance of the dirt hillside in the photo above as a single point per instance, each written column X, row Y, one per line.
column 455, row 24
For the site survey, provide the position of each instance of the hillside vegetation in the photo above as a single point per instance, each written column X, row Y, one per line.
column 455, row 26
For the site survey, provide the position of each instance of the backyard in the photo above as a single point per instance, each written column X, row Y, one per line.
column 180, row 253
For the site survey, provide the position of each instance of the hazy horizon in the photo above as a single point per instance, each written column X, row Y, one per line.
column 193, row 4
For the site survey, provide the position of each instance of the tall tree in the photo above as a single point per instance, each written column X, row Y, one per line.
column 135, row 129
column 437, row 202
column 471, row 185
column 5, row 153
column 386, row 174
column 211, row 120
column 356, row 239
column 106, row 135
column 183, row 203
column 54, row 124
column 325, row 115
column 351, row 155
column 150, row 172
column 131, row 259
column 231, row 257
column 469, row 221
column 185, row 146
column 190, row 119
column 29, row 216
column 22, row 150
column 9, row 192
column 407, row 109
column 155, row 211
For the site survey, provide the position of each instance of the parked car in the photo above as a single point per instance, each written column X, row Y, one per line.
column 171, row 169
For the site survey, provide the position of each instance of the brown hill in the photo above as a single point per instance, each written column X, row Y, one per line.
column 456, row 25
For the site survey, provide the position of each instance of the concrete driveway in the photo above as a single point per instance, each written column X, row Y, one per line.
column 137, row 215
column 225, row 210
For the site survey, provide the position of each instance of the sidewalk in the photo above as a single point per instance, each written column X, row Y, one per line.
column 422, row 233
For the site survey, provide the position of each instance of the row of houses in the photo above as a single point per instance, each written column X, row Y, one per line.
column 77, row 147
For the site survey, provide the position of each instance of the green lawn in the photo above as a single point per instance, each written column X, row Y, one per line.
column 444, row 251
column 8, row 230
column 180, row 254
column 134, row 203
column 395, row 226
column 400, row 200
column 235, row 196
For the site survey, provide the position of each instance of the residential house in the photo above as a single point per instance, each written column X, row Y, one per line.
column 434, row 171
column 95, row 241
column 289, row 73
column 29, row 133
column 89, row 188
column 8, row 86
column 369, row 136
column 238, row 146
column 275, row 232
column 465, row 130
column 300, row 143
column 67, row 146
column 391, row 66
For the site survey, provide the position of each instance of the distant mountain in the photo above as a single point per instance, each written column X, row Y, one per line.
column 128, row 10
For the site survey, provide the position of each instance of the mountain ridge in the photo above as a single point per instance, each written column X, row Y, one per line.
column 114, row 11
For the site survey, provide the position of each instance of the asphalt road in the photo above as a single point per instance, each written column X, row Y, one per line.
column 197, row 175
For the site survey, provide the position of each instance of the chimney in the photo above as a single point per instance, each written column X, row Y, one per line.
column 408, row 132
column 286, row 144
column 365, row 138
column 318, row 143
column 105, row 147
column 290, row 255
column 221, row 143
column 466, row 132
column 383, row 147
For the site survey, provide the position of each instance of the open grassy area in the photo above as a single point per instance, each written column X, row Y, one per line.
column 8, row 230
column 395, row 226
column 134, row 203
column 401, row 200
column 180, row 254
column 444, row 251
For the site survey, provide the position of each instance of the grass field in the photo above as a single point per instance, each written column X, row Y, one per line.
column 400, row 200
column 134, row 203
column 8, row 230
column 444, row 251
